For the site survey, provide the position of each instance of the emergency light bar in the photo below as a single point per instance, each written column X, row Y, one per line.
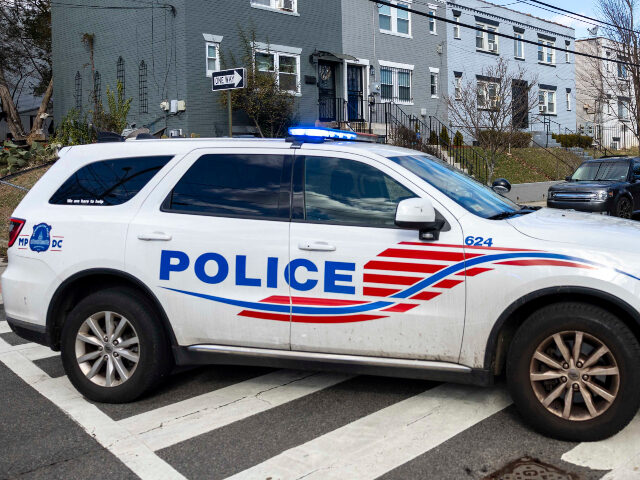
column 317, row 134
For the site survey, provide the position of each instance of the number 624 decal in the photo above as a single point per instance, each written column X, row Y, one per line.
column 478, row 241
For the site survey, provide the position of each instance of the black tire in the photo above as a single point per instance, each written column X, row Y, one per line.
column 155, row 360
column 624, row 208
column 599, row 324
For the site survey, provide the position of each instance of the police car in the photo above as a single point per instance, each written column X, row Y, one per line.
column 320, row 252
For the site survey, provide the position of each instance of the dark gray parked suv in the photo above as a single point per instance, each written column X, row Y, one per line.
column 609, row 185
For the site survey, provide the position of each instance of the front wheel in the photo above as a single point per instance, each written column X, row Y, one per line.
column 624, row 208
column 572, row 369
column 113, row 348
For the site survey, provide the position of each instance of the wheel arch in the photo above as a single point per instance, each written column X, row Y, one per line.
column 81, row 284
column 509, row 321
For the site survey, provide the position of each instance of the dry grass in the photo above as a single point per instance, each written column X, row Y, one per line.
column 10, row 197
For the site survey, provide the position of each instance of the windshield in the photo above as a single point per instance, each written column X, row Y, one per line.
column 462, row 189
column 616, row 171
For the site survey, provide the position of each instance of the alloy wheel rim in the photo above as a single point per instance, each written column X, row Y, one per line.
column 107, row 349
column 574, row 375
column 625, row 209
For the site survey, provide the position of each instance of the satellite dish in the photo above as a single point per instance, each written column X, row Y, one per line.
column 593, row 31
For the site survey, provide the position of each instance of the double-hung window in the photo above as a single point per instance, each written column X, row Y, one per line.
column 282, row 5
column 546, row 52
column 622, row 71
column 568, row 100
column 434, row 83
column 623, row 109
column 457, row 86
column 432, row 22
column 567, row 55
column 456, row 26
column 285, row 66
column 213, row 58
column 547, row 101
column 487, row 94
column 394, row 20
column 395, row 83
column 486, row 39
column 518, row 46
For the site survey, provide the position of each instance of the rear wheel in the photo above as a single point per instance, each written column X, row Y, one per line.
column 571, row 371
column 113, row 348
column 624, row 208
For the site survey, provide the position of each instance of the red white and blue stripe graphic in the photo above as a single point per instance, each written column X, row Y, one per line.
column 399, row 279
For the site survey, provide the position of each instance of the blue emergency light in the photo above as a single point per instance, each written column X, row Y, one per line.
column 317, row 134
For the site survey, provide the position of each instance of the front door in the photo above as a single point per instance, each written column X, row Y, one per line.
column 520, row 96
column 355, row 277
column 327, row 101
column 212, row 243
column 355, row 103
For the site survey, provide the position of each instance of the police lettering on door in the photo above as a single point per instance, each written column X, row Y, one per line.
column 300, row 274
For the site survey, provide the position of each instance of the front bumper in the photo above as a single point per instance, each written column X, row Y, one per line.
column 594, row 207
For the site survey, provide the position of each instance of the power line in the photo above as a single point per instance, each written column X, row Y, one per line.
column 499, row 34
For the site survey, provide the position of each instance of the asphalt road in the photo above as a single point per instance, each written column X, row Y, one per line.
column 259, row 423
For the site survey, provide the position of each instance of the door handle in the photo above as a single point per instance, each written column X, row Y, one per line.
column 154, row 236
column 316, row 246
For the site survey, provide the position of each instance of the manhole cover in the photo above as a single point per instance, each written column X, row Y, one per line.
column 530, row 469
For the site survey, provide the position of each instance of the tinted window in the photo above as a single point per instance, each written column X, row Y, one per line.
column 636, row 168
column 108, row 182
column 232, row 185
column 591, row 171
column 349, row 192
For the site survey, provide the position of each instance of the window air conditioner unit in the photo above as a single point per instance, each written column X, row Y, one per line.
column 493, row 48
column 286, row 5
column 542, row 108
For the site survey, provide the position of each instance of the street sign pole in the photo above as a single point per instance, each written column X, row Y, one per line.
column 228, row 80
column 229, row 113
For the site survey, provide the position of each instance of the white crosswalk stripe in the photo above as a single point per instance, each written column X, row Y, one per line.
column 180, row 421
column 379, row 442
column 4, row 327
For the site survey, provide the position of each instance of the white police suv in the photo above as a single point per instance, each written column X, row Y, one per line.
column 134, row 257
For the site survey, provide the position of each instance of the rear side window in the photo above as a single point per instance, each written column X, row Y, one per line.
column 234, row 186
column 108, row 182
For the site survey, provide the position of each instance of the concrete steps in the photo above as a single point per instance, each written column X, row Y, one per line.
column 544, row 139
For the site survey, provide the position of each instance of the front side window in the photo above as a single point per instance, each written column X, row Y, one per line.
column 486, row 39
column 518, row 46
column 462, row 189
column 285, row 66
column 108, row 182
column 234, row 185
column 212, row 54
column 546, row 52
column 546, row 101
column 394, row 20
column 395, row 84
column 347, row 192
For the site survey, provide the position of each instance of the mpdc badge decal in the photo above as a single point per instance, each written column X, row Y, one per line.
column 40, row 238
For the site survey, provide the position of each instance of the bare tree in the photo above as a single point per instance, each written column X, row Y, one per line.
column 619, row 77
column 25, row 55
column 493, row 107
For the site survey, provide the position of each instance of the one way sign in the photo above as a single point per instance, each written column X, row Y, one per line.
column 228, row 79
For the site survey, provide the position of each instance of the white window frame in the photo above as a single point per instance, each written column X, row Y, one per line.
column 434, row 74
column 625, row 117
column 518, row 43
column 546, row 94
column 456, row 27
column 395, row 85
column 567, row 55
column 568, row 101
column 486, row 30
column 457, row 87
column 486, row 85
column 621, row 67
column 280, row 51
column 278, row 6
column 548, row 49
column 433, row 25
column 394, row 20
column 207, row 57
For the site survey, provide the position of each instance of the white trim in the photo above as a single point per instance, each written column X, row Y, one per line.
column 434, row 70
column 269, row 47
column 384, row 63
column 212, row 38
column 277, row 10
column 276, row 64
column 393, row 19
column 395, row 34
column 206, row 57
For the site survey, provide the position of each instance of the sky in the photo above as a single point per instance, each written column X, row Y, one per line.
column 583, row 7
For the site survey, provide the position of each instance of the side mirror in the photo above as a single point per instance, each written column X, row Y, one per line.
column 419, row 214
column 567, row 178
column 501, row 186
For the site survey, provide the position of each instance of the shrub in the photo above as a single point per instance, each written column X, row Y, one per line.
column 458, row 139
column 433, row 138
column 444, row 137
column 518, row 139
column 14, row 157
column 74, row 129
column 573, row 140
